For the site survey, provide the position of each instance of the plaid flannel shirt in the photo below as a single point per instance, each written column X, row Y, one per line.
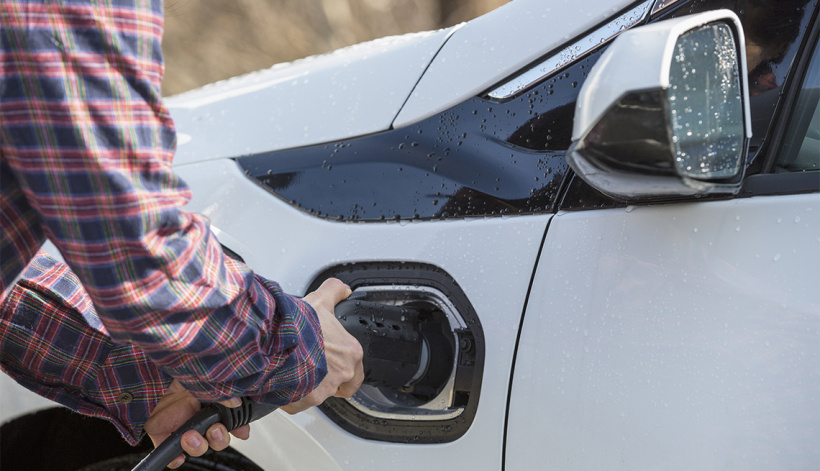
column 85, row 161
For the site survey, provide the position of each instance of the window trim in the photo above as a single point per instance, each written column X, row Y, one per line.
column 771, row 184
column 766, row 182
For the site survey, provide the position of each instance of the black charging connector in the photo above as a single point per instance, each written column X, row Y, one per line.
column 395, row 353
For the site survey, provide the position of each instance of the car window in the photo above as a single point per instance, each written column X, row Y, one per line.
column 801, row 144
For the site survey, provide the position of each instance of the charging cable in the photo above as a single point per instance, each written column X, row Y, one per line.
column 231, row 418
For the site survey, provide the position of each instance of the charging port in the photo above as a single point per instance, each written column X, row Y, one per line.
column 410, row 355
column 424, row 354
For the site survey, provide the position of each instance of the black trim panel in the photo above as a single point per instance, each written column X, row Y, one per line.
column 781, row 184
column 480, row 158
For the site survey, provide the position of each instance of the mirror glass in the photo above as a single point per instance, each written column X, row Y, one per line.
column 705, row 104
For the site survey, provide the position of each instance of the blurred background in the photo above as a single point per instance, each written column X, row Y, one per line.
column 210, row 40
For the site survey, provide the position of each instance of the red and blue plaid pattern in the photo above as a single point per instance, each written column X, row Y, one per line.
column 85, row 161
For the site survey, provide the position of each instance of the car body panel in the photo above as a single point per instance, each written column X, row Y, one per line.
column 681, row 336
column 491, row 259
column 492, row 47
column 15, row 400
column 350, row 92
column 669, row 336
column 273, row 441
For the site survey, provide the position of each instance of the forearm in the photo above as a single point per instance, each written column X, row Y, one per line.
column 52, row 342
column 239, row 351
column 89, row 142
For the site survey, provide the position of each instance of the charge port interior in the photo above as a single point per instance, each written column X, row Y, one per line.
column 424, row 371
column 411, row 353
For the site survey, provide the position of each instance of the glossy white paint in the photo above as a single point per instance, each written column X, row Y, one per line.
column 350, row 92
column 673, row 337
column 638, row 60
column 666, row 337
column 491, row 259
column 16, row 400
column 497, row 45
column 278, row 443
column 569, row 54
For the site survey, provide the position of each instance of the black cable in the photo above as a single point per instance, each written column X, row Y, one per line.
column 231, row 418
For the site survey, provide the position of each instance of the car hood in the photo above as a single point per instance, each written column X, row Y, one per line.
column 375, row 86
column 493, row 47
column 350, row 92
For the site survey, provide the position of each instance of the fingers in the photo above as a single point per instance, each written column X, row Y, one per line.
column 193, row 443
column 174, row 409
column 330, row 293
column 345, row 371
column 217, row 438
column 343, row 353
column 242, row 433
column 349, row 388
column 177, row 462
column 232, row 402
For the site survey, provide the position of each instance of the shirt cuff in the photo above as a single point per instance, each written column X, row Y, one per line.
column 290, row 354
column 305, row 365
column 47, row 346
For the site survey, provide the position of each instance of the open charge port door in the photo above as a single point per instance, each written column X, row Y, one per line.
column 424, row 350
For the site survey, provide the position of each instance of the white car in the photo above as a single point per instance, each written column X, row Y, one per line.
column 613, row 208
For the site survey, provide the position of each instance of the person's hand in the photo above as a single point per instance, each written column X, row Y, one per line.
column 174, row 409
column 343, row 352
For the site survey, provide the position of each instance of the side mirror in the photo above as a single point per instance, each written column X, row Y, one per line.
column 665, row 111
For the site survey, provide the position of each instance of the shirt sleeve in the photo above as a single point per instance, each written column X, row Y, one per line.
column 88, row 140
column 52, row 342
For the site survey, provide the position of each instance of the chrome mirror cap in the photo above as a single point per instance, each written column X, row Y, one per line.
column 665, row 111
